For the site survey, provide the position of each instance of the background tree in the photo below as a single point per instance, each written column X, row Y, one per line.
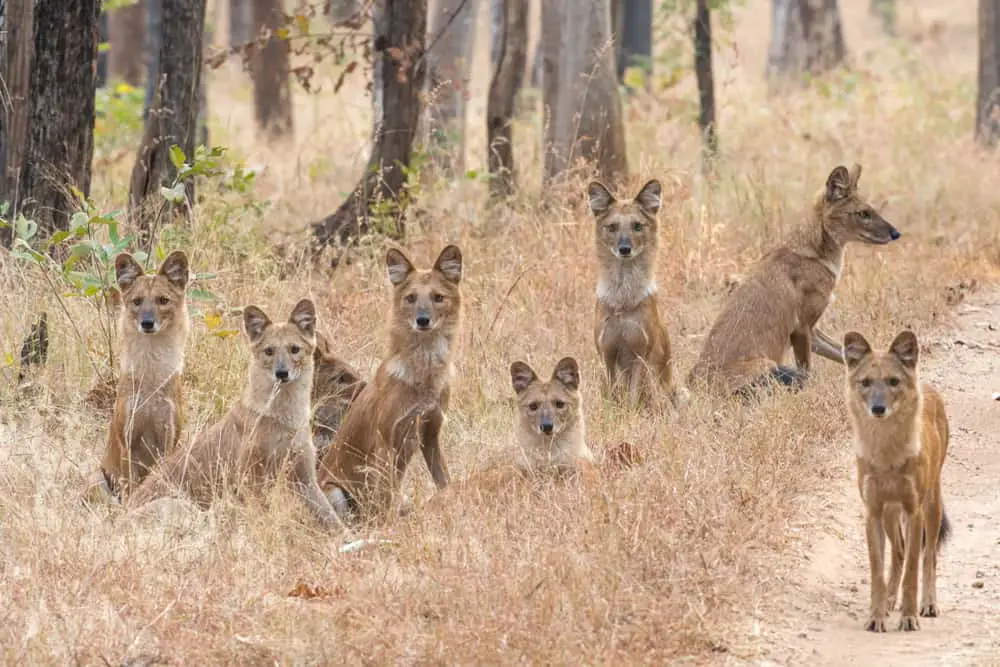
column 706, row 81
column 988, row 100
column 102, row 55
column 272, row 95
column 398, row 78
column 580, row 90
column 508, row 54
column 59, row 144
column 127, row 37
column 18, row 46
column 632, row 25
column 240, row 22
column 885, row 12
column 806, row 38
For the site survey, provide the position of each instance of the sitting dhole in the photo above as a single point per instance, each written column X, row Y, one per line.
column 550, row 422
column 901, row 439
column 148, row 409
column 267, row 429
column 403, row 408
column 335, row 386
column 779, row 303
column 631, row 339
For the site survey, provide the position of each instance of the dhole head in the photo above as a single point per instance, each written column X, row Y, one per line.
column 425, row 301
column 282, row 351
column 625, row 229
column 549, row 407
column 847, row 216
column 152, row 303
column 880, row 384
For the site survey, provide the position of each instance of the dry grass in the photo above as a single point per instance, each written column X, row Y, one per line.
column 673, row 557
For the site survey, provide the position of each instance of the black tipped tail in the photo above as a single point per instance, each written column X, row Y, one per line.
column 943, row 533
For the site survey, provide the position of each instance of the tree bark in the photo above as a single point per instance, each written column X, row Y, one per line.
column 635, row 46
column 885, row 12
column 509, row 57
column 272, row 95
column 127, row 34
column 18, row 47
column 580, row 90
column 240, row 22
column 452, row 27
column 988, row 99
column 379, row 201
column 806, row 38
column 173, row 114
column 59, row 146
column 706, row 80
column 102, row 57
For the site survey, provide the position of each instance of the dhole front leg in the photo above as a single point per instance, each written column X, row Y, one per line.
column 893, row 526
column 908, row 620
column 802, row 348
column 430, row 429
column 308, row 487
column 875, row 538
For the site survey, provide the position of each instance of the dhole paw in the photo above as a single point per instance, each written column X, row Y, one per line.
column 929, row 610
column 876, row 624
column 890, row 606
column 909, row 623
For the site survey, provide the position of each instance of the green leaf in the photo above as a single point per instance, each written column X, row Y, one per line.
column 472, row 174
column 174, row 195
column 79, row 220
column 202, row 295
column 205, row 276
column 177, row 157
column 25, row 229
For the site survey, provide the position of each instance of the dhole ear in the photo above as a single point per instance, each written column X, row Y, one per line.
column 838, row 185
column 856, row 348
column 254, row 322
column 906, row 349
column 449, row 263
column 521, row 376
column 127, row 270
column 398, row 265
column 304, row 317
column 650, row 196
column 599, row 198
column 175, row 269
column 568, row 373
column 855, row 175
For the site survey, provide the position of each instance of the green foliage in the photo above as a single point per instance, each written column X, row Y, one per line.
column 118, row 121
column 673, row 33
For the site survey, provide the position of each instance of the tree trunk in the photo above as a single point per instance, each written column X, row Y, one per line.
column 59, row 146
column 400, row 29
column 636, row 43
column 806, row 38
column 988, row 102
column 706, row 81
column 885, row 11
column 580, row 90
column 127, row 34
column 509, row 56
column 240, row 22
column 18, row 47
column 173, row 115
column 272, row 96
column 102, row 56
column 452, row 28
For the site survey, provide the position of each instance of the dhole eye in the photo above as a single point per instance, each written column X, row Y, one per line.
column 611, row 229
column 560, row 405
column 438, row 298
column 866, row 215
column 893, row 382
column 137, row 301
column 295, row 349
column 637, row 227
column 867, row 382
column 269, row 351
column 533, row 407
column 411, row 298
column 163, row 300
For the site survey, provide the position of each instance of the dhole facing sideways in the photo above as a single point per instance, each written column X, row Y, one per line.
column 403, row 408
column 630, row 337
column 266, row 430
column 779, row 303
column 148, row 411
column 335, row 386
column 901, row 439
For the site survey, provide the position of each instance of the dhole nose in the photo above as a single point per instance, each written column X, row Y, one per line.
column 281, row 374
column 147, row 324
column 423, row 321
column 894, row 234
column 624, row 250
column 878, row 410
column 545, row 427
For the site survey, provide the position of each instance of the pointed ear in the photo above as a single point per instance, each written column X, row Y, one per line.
column 855, row 175
column 254, row 322
column 649, row 197
column 398, row 265
column 127, row 270
column 567, row 372
column 906, row 349
column 449, row 263
column 856, row 348
column 175, row 269
column 599, row 198
column 521, row 376
column 838, row 184
column 304, row 317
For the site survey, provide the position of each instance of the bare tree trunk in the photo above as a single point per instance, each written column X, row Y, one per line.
column 127, row 34
column 272, row 96
column 884, row 11
column 635, row 47
column 102, row 57
column 400, row 30
column 580, row 90
column 509, row 55
column 18, row 47
column 59, row 146
column 706, row 81
column 806, row 38
column 240, row 22
column 988, row 102
column 173, row 116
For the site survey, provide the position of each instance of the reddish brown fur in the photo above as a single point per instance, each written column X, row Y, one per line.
column 335, row 386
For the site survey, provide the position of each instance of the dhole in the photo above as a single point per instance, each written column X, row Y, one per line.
column 268, row 427
column 148, row 410
column 901, row 439
column 335, row 386
column 403, row 408
column 630, row 338
column 779, row 303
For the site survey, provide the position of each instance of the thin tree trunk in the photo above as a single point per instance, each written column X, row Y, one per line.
column 581, row 90
column 379, row 197
column 636, row 43
column 272, row 94
column 102, row 56
column 806, row 38
column 509, row 55
column 452, row 23
column 706, row 81
column 59, row 147
column 18, row 47
column 988, row 101
column 240, row 22
column 885, row 12
column 127, row 34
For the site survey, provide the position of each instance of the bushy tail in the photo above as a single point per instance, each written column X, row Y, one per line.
column 943, row 534
column 791, row 378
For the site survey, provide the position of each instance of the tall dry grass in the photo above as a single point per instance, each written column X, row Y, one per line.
column 675, row 557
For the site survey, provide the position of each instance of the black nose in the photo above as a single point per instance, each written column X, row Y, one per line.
column 894, row 235
column 281, row 374
column 878, row 410
column 546, row 427
column 423, row 321
column 147, row 325
column 624, row 250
